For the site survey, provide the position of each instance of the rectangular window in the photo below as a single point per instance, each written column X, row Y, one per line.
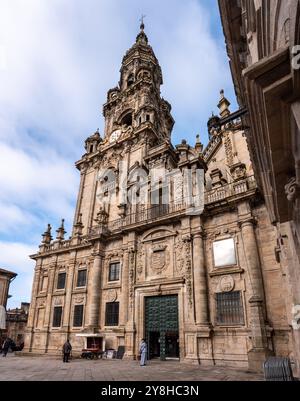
column 57, row 314
column 78, row 316
column 230, row 308
column 44, row 283
column 61, row 281
column 159, row 198
column 112, row 314
column 81, row 278
column 114, row 272
column 224, row 253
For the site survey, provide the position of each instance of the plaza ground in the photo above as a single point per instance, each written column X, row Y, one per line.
column 43, row 368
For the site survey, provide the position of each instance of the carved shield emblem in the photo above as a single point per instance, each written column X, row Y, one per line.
column 158, row 260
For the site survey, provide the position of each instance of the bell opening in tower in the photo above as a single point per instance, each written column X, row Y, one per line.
column 127, row 120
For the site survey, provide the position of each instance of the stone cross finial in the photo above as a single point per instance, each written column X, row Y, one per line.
column 224, row 105
column 78, row 226
column 61, row 231
column 47, row 237
column 142, row 26
column 199, row 145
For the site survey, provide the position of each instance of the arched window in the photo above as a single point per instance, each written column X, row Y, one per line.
column 127, row 120
column 130, row 80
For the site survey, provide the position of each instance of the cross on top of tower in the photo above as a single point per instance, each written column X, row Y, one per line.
column 142, row 37
column 142, row 26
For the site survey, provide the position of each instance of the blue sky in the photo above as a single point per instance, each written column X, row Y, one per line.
column 58, row 59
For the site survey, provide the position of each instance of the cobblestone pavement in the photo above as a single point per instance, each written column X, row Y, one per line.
column 51, row 368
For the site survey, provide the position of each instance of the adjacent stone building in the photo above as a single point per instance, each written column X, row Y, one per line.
column 171, row 244
column 16, row 321
column 5, row 279
column 263, row 44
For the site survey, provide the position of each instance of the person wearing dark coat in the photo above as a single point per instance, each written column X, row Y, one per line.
column 5, row 346
column 67, row 348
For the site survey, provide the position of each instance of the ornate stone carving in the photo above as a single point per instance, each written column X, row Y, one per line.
column 41, row 303
column 131, row 276
column 228, row 149
column 140, row 260
column 188, row 267
column 159, row 258
column 58, row 301
column 238, row 171
column 79, row 299
column 114, row 254
column 111, row 295
column 226, row 284
column 179, row 256
column 102, row 216
column 83, row 264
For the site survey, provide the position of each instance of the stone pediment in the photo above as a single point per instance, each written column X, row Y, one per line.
column 158, row 233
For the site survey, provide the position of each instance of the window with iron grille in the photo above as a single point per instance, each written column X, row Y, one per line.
column 230, row 308
column 57, row 314
column 78, row 316
column 112, row 314
column 114, row 272
column 81, row 278
column 61, row 281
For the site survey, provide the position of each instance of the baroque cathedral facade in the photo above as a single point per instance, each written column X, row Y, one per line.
column 185, row 260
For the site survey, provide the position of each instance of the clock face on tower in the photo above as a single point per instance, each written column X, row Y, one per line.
column 114, row 136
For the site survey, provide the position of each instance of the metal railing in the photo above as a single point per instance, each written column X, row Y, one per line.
column 148, row 214
column 158, row 212
column 230, row 190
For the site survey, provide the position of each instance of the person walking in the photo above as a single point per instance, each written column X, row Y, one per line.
column 143, row 352
column 6, row 346
column 67, row 348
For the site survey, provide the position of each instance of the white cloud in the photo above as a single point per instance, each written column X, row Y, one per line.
column 58, row 59
column 31, row 183
column 12, row 217
column 15, row 257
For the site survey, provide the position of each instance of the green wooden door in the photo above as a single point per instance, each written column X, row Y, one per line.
column 161, row 316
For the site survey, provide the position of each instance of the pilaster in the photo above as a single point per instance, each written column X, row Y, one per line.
column 94, row 292
column 259, row 351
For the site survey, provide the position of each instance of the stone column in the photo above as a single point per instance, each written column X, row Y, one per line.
column 200, row 284
column 32, row 310
column 49, row 307
column 34, row 293
column 130, row 325
column 68, row 298
column 94, row 291
column 260, row 350
column 125, row 289
column 188, row 275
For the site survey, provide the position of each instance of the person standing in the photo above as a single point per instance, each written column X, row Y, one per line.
column 143, row 352
column 67, row 348
column 6, row 346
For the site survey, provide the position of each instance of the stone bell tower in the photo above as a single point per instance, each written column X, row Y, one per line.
column 135, row 108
